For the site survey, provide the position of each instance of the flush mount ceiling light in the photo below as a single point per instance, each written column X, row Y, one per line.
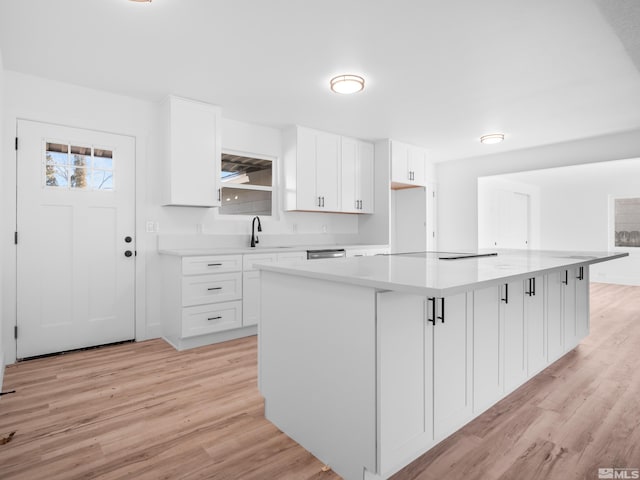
column 346, row 84
column 492, row 138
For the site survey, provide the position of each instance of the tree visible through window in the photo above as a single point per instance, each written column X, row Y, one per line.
column 78, row 167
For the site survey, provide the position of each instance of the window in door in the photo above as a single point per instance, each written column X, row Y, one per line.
column 247, row 185
column 78, row 167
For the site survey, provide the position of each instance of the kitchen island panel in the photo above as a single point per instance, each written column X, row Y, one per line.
column 317, row 367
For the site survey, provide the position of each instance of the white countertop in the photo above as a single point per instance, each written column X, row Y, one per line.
column 427, row 275
column 190, row 252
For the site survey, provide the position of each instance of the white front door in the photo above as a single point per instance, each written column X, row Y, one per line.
column 75, row 238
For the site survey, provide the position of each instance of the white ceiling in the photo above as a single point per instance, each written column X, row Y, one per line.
column 439, row 74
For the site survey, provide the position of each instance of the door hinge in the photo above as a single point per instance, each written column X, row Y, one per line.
column 15, row 238
column 15, row 332
column 16, row 143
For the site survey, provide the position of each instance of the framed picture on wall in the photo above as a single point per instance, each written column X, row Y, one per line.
column 624, row 223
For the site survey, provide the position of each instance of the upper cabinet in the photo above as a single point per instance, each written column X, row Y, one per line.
column 357, row 176
column 311, row 163
column 409, row 166
column 192, row 149
column 325, row 172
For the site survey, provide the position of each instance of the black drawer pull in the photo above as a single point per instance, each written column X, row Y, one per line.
column 581, row 274
column 214, row 288
column 534, row 286
column 432, row 301
column 214, row 264
column 566, row 277
column 441, row 317
column 506, row 293
column 530, row 292
column 215, row 318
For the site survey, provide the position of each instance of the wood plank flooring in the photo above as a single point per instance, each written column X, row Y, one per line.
column 145, row 411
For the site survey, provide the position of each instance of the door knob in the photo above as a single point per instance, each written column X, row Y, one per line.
column 128, row 239
column 128, row 253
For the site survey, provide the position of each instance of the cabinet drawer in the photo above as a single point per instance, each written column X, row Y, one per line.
column 200, row 289
column 248, row 261
column 211, row 264
column 205, row 319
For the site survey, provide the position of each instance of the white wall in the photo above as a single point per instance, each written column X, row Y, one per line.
column 575, row 214
column 458, row 180
column 39, row 99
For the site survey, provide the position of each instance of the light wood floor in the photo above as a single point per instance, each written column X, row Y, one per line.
column 145, row 411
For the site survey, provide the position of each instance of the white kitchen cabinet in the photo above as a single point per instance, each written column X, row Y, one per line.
column 409, row 165
column 452, row 363
column 554, row 311
column 192, row 151
column 251, row 281
column 575, row 305
column 515, row 360
column 357, row 176
column 405, row 342
column 202, row 299
column 582, row 302
column 312, row 170
column 569, row 319
column 487, row 358
column 534, row 320
column 567, row 310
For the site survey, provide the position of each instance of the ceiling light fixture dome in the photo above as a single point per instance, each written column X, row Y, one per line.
column 346, row 84
column 492, row 138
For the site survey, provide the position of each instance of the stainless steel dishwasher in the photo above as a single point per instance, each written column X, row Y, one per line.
column 326, row 253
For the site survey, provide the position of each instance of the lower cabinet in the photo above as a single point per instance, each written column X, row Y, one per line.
column 201, row 299
column 449, row 319
column 250, row 297
column 487, row 359
column 251, row 281
column 515, row 353
column 567, row 296
column 534, row 320
column 554, row 294
column 582, row 302
column 445, row 360
column 405, row 349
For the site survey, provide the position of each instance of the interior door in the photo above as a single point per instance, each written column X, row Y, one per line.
column 75, row 238
column 513, row 220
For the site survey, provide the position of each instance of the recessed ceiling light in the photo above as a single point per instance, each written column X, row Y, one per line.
column 347, row 84
column 492, row 138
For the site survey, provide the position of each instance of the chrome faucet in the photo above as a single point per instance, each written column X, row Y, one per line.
column 254, row 237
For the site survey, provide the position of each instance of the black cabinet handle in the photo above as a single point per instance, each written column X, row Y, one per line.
column 581, row 274
column 441, row 311
column 215, row 318
column 127, row 239
column 128, row 253
column 214, row 264
column 506, row 293
column 566, row 277
column 214, row 288
column 534, row 286
column 219, row 194
column 530, row 292
column 432, row 301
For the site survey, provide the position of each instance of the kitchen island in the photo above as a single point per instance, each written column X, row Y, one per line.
column 370, row 362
